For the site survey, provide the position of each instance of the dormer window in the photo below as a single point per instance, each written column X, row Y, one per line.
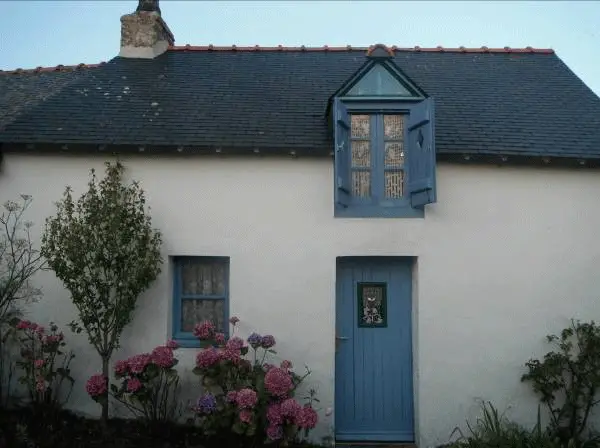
column 384, row 145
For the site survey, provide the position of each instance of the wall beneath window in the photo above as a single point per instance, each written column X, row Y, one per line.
column 506, row 256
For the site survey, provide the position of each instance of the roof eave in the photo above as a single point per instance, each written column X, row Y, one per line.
column 461, row 157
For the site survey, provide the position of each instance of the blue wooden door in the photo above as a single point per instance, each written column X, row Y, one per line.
column 373, row 368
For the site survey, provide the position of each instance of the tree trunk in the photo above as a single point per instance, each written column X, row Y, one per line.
column 105, row 401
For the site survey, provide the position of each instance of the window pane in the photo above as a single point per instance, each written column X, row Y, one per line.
column 394, row 154
column 394, row 184
column 393, row 126
column 203, row 278
column 196, row 311
column 379, row 81
column 361, row 184
column 361, row 126
column 361, row 153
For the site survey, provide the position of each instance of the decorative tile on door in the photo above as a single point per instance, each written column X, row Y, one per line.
column 372, row 306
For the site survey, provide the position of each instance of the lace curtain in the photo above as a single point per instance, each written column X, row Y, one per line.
column 203, row 293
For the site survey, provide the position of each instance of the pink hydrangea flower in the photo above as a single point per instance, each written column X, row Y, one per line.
column 231, row 355
column 267, row 366
column 172, row 345
column 50, row 339
column 133, row 385
column 307, row 417
column 40, row 385
column 246, row 415
column 39, row 331
column 38, row 363
column 204, row 330
column 246, row 398
column 235, row 343
column 231, row 396
column 267, row 341
column 208, row 357
column 121, row 367
column 23, row 325
column 163, row 357
column 220, row 338
column 290, row 408
column 285, row 364
column 138, row 363
column 233, row 320
column 96, row 385
column 278, row 382
column 274, row 432
column 274, row 414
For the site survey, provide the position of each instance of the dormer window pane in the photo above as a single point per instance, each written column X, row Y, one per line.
column 379, row 82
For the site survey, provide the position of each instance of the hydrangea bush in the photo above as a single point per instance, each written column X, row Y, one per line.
column 43, row 363
column 250, row 397
column 147, row 384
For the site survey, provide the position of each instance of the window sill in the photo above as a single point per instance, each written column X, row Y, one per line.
column 190, row 342
column 378, row 211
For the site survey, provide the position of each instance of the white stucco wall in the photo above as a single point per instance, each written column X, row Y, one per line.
column 506, row 256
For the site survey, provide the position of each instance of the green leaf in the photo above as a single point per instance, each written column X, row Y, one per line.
column 251, row 429
column 238, row 428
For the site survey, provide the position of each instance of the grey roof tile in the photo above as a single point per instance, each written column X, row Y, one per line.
column 505, row 103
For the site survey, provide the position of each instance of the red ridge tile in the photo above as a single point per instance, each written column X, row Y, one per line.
column 325, row 48
column 58, row 68
column 438, row 49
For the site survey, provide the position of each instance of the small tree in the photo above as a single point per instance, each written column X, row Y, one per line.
column 105, row 251
column 19, row 261
column 567, row 380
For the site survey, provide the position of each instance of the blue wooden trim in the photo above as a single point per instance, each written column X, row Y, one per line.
column 378, row 211
column 379, row 436
column 187, row 339
column 341, row 154
column 176, row 300
column 201, row 297
column 376, row 158
column 378, row 106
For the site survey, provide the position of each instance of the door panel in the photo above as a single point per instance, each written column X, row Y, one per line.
column 373, row 371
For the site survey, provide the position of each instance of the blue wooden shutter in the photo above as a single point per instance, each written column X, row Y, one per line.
column 421, row 154
column 341, row 153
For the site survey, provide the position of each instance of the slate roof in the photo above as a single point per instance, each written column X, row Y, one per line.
column 488, row 101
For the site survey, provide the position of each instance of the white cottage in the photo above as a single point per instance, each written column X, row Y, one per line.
column 408, row 222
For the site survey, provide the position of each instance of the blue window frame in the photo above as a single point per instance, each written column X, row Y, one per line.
column 384, row 157
column 200, row 292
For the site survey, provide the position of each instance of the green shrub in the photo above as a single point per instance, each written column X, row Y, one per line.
column 149, row 384
column 493, row 430
column 568, row 379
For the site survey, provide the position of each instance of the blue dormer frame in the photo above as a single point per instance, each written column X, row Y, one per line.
column 418, row 141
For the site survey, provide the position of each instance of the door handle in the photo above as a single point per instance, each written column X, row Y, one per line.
column 338, row 339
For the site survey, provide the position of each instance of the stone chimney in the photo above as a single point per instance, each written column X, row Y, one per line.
column 144, row 34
